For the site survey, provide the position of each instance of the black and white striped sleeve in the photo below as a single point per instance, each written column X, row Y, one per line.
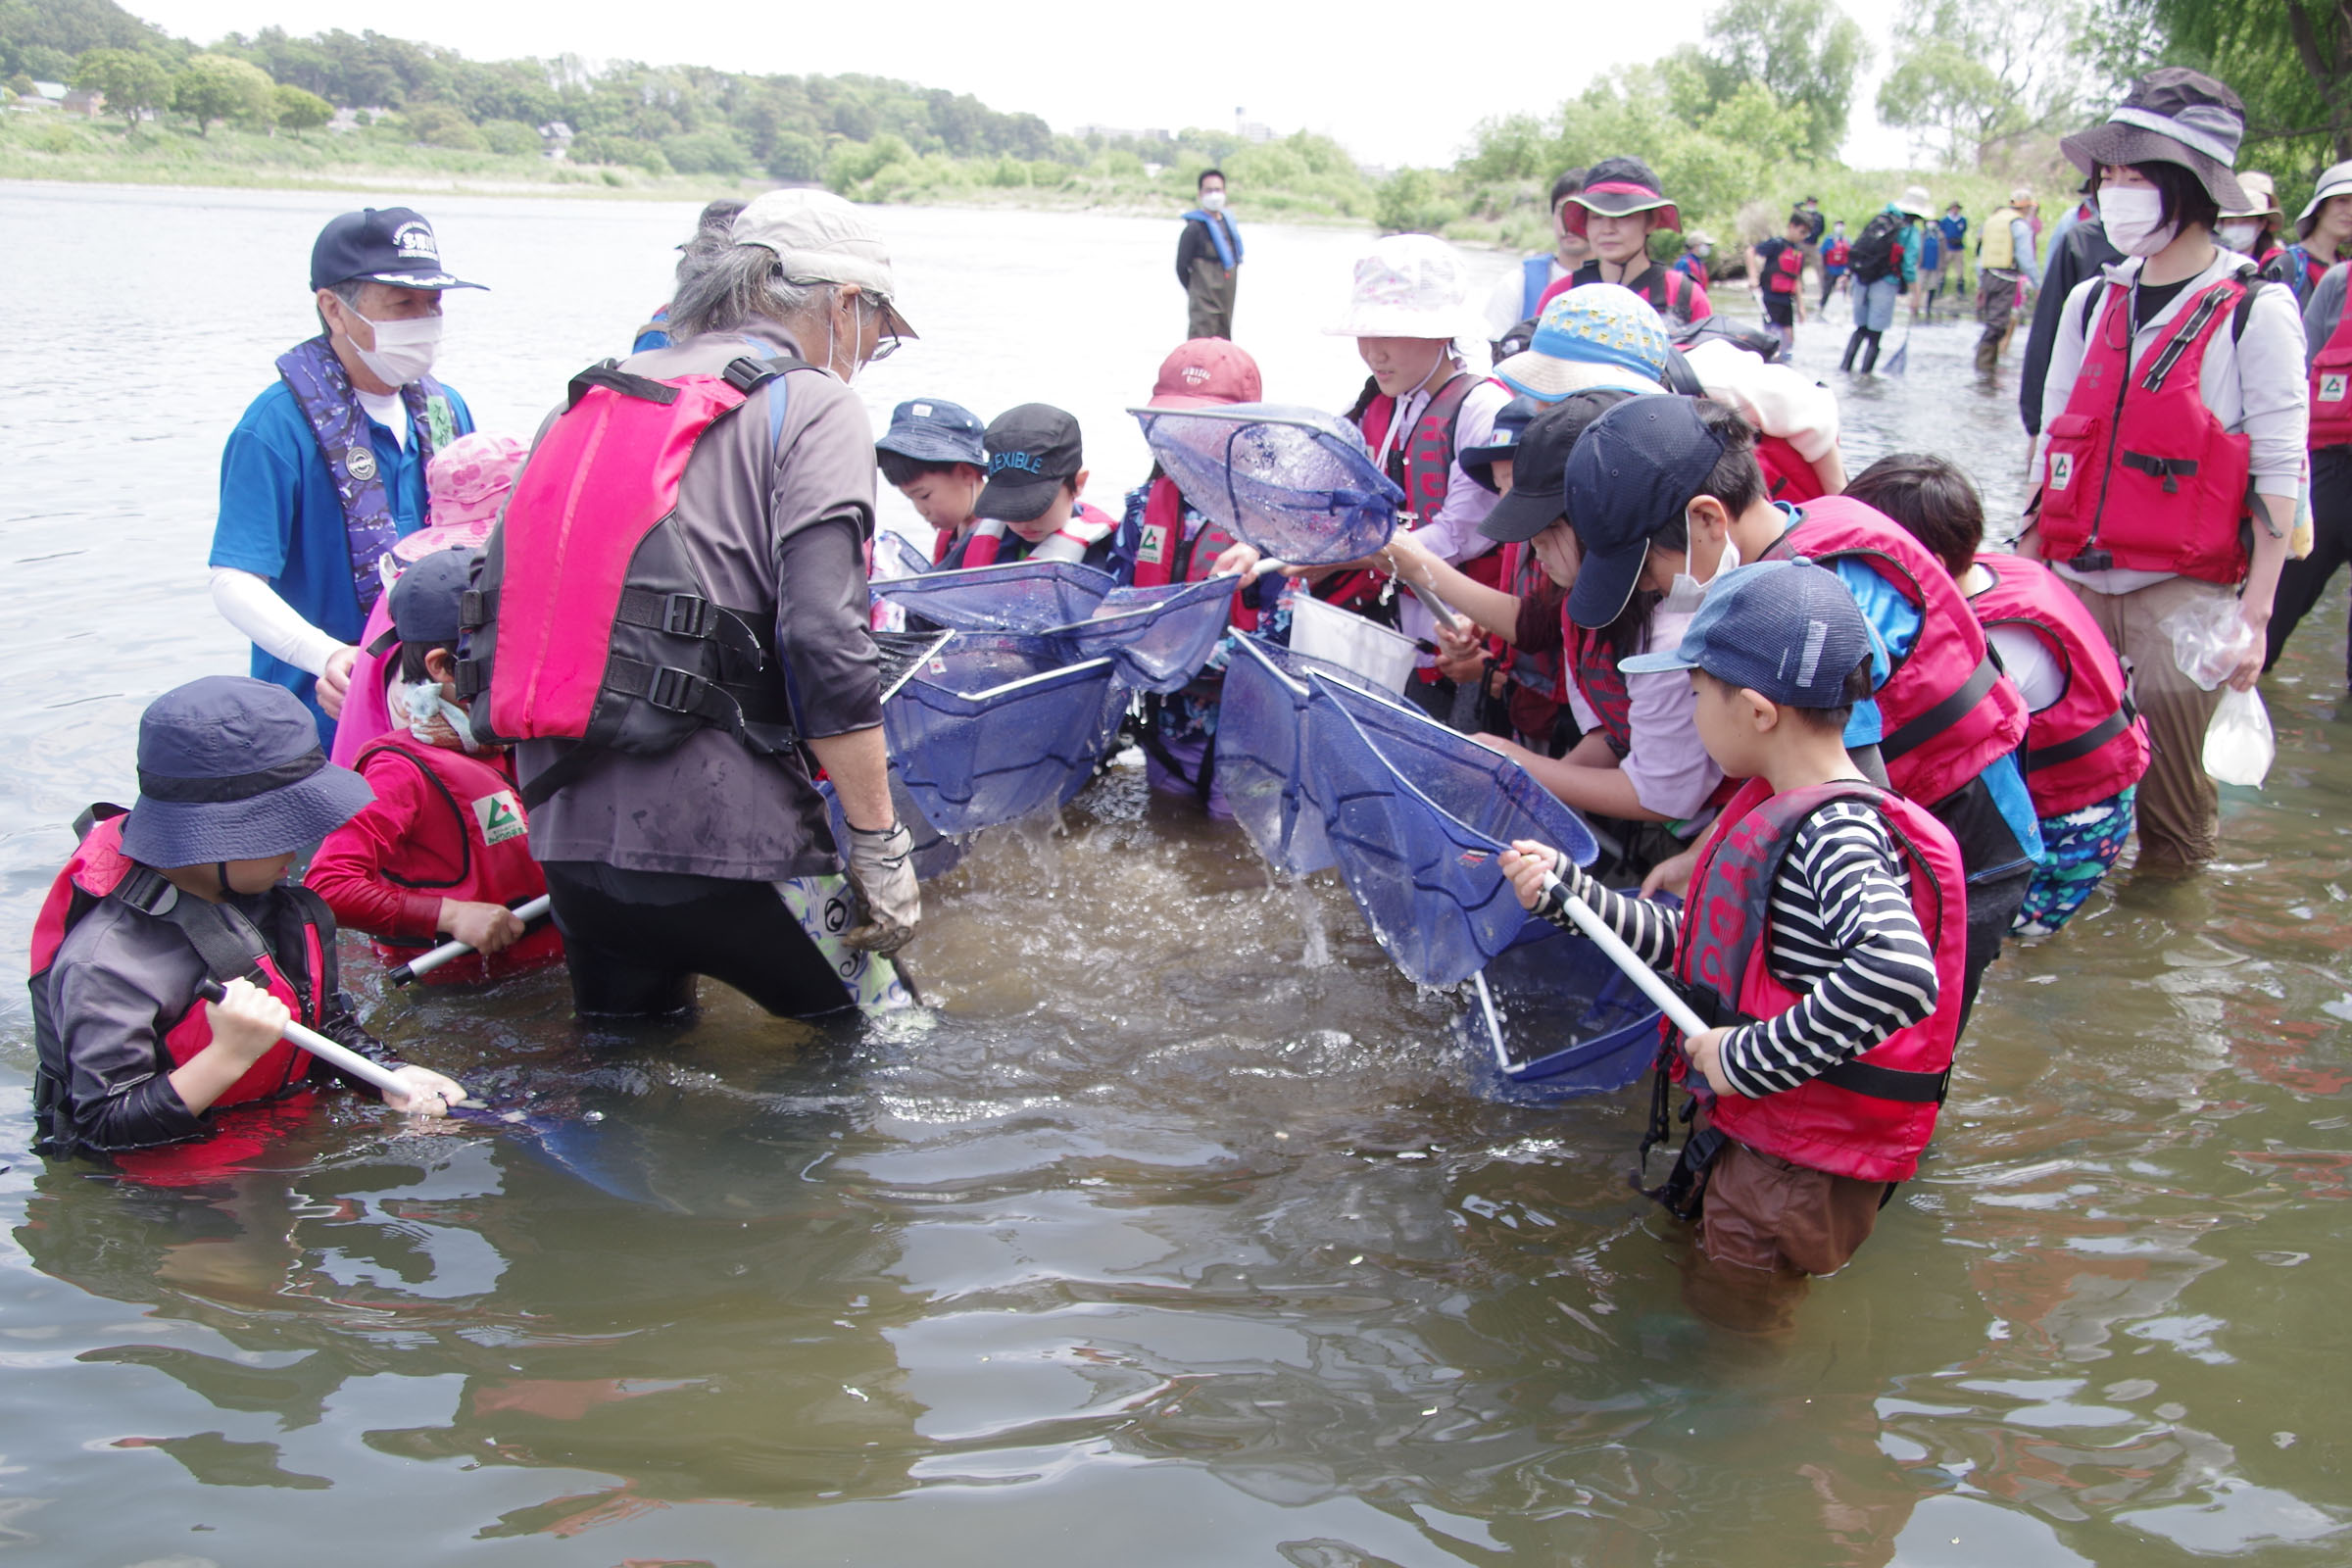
column 1649, row 928
column 1844, row 934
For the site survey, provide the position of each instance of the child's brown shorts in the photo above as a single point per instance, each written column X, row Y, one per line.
column 1763, row 1212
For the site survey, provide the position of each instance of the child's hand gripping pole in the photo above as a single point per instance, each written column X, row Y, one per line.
column 426, row 963
column 338, row 1057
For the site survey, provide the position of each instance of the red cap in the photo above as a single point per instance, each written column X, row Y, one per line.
column 1205, row 370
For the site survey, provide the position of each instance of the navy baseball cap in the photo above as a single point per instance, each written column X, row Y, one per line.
column 425, row 602
column 1538, row 498
column 392, row 245
column 935, row 431
column 1510, row 423
column 1787, row 629
column 1631, row 476
column 230, row 770
column 1031, row 451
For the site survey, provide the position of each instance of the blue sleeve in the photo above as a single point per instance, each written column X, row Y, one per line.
column 260, row 493
column 1894, row 625
column 2007, row 787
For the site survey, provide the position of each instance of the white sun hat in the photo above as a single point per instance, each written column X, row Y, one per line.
column 1411, row 285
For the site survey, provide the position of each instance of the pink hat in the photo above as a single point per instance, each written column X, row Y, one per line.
column 1206, row 371
column 466, row 485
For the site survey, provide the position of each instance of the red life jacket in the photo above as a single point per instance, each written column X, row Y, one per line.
column 1669, row 292
column 1164, row 556
column 477, row 851
column 1786, row 273
column 232, row 947
column 1602, row 684
column 2331, row 377
column 2091, row 744
column 1422, row 466
column 2138, row 466
column 1947, row 713
column 590, row 622
column 1870, row 1117
column 1834, row 254
column 1788, row 476
column 1087, row 527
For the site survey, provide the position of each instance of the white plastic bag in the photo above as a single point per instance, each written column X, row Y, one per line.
column 2210, row 639
column 2239, row 744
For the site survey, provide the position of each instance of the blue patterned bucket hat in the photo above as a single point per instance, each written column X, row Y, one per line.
column 1598, row 335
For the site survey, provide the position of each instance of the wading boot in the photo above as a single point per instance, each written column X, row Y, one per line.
column 1870, row 355
column 1854, row 346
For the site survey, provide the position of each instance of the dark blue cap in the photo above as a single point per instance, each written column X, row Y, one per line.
column 1510, row 422
column 425, row 602
column 1031, row 451
column 380, row 245
column 1631, row 474
column 934, row 430
column 230, row 770
column 1787, row 629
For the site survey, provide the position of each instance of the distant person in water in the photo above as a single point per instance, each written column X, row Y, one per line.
column 1209, row 259
column 327, row 468
column 1518, row 294
column 713, row 232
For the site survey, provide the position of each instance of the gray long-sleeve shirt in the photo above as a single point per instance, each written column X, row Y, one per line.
column 770, row 526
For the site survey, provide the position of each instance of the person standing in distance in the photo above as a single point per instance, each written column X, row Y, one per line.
column 1518, row 294
column 1208, row 258
column 327, row 468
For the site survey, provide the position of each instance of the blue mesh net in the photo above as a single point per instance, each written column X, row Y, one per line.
column 999, row 725
column 1031, row 596
column 1159, row 637
column 1570, row 1023
column 1416, row 815
column 1294, row 482
column 1262, row 722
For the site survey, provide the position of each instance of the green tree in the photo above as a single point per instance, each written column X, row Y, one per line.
column 1973, row 81
column 217, row 87
column 2289, row 60
column 133, row 83
column 299, row 110
column 511, row 138
column 793, row 155
column 444, row 125
column 1806, row 52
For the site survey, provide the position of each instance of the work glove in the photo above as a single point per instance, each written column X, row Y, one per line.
column 882, row 874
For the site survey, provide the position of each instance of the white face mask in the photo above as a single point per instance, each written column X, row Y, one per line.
column 2238, row 236
column 433, row 718
column 1212, row 201
column 2133, row 215
column 1688, row 592
column 858, row 335
column 404, row 350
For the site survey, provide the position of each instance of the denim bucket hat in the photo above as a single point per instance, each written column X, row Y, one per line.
column 230, row 770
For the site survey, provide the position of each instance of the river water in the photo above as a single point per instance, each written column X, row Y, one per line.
column 1180, row 1234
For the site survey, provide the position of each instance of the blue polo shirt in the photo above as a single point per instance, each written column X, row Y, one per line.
column 282, row 521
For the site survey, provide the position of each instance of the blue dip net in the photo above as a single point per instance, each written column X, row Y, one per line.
column 1032, row 595
column 1159, row 637
column 1295, row 482
column 1416, row 815
column 997, row 725
column 1262, row 728
column 1569, row 1022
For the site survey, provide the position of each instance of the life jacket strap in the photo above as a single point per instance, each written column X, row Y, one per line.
column 2082, row 745
column 2171, row 470
column 613, row 379
column 1889, row 1082
column 1926, row 726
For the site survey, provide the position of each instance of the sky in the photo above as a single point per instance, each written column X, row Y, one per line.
column 1389, row 99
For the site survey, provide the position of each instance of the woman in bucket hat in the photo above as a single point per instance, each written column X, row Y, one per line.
column 2176, row 392
column 2323, row 232
column 1419, row 410
column 1621, row 204
column 2252, row 230
column 189, row 887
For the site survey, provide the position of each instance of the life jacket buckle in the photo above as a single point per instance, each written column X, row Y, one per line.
column 686, row 615
column 2092, row 558
column 677, row 690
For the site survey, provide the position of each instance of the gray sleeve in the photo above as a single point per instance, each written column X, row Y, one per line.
column 2321, row 315
column 821, row 510
column 116, row 1092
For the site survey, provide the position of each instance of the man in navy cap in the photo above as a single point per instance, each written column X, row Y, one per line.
column 326, row 467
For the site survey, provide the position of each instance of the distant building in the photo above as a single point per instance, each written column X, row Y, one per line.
column 555, row 139
column 85, row 101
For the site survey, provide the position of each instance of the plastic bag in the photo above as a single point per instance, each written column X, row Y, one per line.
column 2210, row 639
column 2239, row 744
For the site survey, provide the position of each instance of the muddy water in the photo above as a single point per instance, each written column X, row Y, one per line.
column 1179, row 1234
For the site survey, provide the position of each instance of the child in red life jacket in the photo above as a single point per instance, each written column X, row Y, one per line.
column 2085, row 744
column 1777, row 267
column 1823, row 937
column 444, row 849
column 932, row 456
column 1030, row 508
column 233, row 786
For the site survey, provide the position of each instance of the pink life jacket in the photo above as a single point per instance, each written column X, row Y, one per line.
column 1788, row 476
column 2330, row 376
column 1422, row 467
column 232, row 947
column 477, row 852
column 1870, row 1117
column 589, row 623
column 2091, row 744
column 1164, row 556
column 2139, row 472
column 1088, row 527
column 1948, row 711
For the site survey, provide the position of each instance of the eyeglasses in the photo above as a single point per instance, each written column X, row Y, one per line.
column 890, row 340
